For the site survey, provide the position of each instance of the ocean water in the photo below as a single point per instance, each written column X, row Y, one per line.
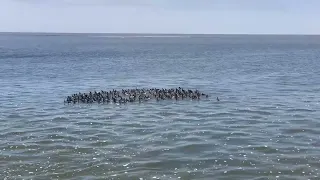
column 265, row 126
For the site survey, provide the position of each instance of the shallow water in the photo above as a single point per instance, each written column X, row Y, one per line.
column 265, row 125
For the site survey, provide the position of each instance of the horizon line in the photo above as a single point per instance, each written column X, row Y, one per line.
column 154, row 33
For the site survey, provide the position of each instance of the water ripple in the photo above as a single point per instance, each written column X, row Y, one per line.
column 263, row 127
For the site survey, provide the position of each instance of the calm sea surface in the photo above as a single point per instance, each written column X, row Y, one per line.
column 265, row 126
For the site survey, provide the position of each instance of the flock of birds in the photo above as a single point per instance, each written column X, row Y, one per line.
column 135, row 95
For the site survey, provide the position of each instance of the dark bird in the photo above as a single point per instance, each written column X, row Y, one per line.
column 133, row 95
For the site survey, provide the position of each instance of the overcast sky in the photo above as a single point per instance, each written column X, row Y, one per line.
column 162, row 16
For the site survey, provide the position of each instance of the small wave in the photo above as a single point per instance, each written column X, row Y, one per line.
column 192, row 148
column 300, row 130
column 265, row 149
column 14, row 147
column 55, row 129
column 14, row 133
column 259, row 112
column 23, row 56
column 316, row 144
column 14, row 116
column 300, row 110
column 89, row 124
column 59, row 119
column 100, row 144
column 55, row 136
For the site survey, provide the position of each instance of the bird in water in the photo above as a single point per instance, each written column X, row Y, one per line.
column 218, row 99
column 132, row 95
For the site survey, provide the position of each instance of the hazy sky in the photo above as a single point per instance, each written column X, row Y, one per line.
column 162, row 16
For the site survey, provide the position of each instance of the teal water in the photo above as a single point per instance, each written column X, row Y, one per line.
column 265, row 126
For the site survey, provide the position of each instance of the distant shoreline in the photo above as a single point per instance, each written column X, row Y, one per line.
column 145, row 34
